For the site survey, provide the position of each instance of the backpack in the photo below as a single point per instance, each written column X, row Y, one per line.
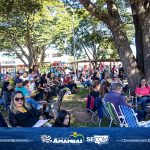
column 90, row 103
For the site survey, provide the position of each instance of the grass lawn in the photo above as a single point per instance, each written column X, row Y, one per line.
column 76, row 105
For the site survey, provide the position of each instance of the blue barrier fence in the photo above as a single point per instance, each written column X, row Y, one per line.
column 74, row 138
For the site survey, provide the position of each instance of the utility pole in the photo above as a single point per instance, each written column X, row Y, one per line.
column 74, row 48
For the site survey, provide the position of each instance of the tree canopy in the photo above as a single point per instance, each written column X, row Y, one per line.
column 116, row 14
column 28, row 28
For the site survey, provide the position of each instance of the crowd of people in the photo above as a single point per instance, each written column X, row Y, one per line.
column 102, row 73
column 114, row 91
column 27, row 99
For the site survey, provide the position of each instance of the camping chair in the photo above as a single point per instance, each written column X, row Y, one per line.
column 94, row 114
column 90, row 107
column 131, row 119
column 115, row 118
column 60, row 97
column 55, row 107
column 94, row 106
column 100, row 111
column 106, row 112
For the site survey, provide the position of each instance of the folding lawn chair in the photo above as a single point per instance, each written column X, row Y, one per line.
column 106, row 112
column 115, row 118
column 131, row 118
column 55, row 107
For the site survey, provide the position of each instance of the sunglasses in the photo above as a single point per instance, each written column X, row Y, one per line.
column 19, row 98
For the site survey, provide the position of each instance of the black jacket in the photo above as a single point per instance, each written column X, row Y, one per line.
column 2, row 121
column 27, row 119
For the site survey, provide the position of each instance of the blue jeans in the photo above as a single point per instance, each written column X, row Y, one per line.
column 1, row 102
column 142, row 101
column 33, row 103
column 141, row 114
column 87, row 83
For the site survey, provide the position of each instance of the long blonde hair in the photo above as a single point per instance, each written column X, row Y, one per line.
column 13, row 108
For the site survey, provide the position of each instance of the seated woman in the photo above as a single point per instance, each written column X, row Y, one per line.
column 86, row 81
column 25, row 76
column 95, row 93
column 95, row 89
column 26, row 94
column 143, row 94
column 72, row 86
column 66, row 80
column 96, row 76
column 104, row 88
column 22, row 114
column 2, row 121
column 62, row 120
column 6, row 94
column 41, row 85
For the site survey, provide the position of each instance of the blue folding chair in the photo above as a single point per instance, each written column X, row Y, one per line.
column 131, row 118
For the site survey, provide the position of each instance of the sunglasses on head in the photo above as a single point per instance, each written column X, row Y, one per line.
column 19, row 98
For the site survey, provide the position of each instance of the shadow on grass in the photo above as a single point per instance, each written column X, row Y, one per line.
column 82, row 93
column 76, row 105
column 75, row 100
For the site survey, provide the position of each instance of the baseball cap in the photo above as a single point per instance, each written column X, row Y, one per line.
column 19, row 80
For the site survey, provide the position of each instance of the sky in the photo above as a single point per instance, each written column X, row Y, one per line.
column 133, row 49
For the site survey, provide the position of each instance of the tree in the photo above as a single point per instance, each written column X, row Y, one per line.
column 29, row 27
column 18, row 18
column 109, row 12
column 92, row 40
column 64, row 27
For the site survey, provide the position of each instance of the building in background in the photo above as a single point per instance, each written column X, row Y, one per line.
column 9, row 63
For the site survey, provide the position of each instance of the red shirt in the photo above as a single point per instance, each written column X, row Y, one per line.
column 143, row 91
column 66, row 81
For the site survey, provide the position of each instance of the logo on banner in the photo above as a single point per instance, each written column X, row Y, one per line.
column 98, row 139
column 74, row 138
column 46, row 139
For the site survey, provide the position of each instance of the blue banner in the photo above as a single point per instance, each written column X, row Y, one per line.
column 74, row 138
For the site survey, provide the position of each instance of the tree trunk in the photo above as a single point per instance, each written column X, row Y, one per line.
column 146, row 43
column 113, row 20
column 122, row 44
column 94, row 64
column 138, row 35
column 30, row 62
column 127, row 57
column 42, row 57
column 141, row 18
